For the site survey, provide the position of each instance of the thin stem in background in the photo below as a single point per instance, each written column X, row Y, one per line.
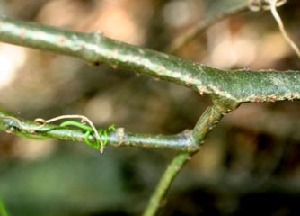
column 3, row 211
column 273, row 9
column 215, row 10
column 165, row 182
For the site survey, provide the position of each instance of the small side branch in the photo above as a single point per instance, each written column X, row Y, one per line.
column 118, row 138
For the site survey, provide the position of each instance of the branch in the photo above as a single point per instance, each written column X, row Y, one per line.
column 207, row 122
column 237, row 85
column 165, row 182
column 118, row 138
column 216, row 10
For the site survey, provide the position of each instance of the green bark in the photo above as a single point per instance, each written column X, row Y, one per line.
column 237, row 85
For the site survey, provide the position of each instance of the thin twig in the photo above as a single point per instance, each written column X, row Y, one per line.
column 21, row 125
column 117, row 138
column 274, row 12
column 258, row 5
column 214, row 14
column 165, row 182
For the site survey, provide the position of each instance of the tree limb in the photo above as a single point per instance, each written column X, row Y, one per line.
column 237, row 85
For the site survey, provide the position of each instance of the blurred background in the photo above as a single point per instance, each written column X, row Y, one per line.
column 250, row 164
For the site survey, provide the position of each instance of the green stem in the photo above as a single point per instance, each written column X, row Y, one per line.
column 3, row 211
column 163, row 186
